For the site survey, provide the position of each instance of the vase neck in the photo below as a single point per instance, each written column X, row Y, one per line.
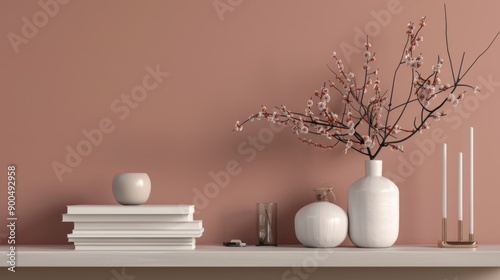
column 373, row 168
column 322, row 194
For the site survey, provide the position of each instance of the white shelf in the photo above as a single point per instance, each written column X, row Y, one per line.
column 282, row 256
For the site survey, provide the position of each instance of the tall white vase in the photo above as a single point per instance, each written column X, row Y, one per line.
column 373, row 209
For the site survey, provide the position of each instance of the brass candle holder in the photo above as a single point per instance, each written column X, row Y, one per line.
column 444, row 243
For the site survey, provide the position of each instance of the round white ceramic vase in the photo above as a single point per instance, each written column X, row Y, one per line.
column 321, row 224
column 373, row 209
column 131, row 188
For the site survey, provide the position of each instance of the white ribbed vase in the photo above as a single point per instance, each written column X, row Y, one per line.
column 373, row 209
column 321, row 224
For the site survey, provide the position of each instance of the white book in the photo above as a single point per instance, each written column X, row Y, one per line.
column 134, row 248
column 134, row 244
column 166, row 235
column 180, row 209
column 140, row 232
column 127, row 240
column 125, row 218
column 138, row 225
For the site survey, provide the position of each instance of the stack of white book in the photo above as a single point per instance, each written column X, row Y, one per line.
column 138, row 227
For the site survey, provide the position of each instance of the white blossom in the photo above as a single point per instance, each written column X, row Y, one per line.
column 238, row 126
column 321, row 106
column 368, row 55
column 454, row 101
column 451, row 97
column 351, row 131
column 436, row 116
column 304, row 129
column 348, row 145
column 272, row 118
column 326, row 98
column 367, row 141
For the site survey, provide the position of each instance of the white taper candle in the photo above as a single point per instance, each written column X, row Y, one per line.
column 460, row 188
column 444, row 180
column 471, row 181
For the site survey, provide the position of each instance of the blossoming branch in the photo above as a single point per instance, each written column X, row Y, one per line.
column 369, row 119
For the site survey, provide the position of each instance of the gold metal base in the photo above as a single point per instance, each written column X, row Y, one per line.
column 460, row 230
column 444, row 229
column 457, row 244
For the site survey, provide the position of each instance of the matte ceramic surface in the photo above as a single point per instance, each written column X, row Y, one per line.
column 373, row 209
column 131, row 188
column 321, row 224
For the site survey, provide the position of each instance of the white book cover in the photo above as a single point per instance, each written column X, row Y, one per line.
column 134, row 248
column 134, row 243
column 112, row 240
column 198, row 234
column 132, row 209
column 75, row 218
column 135, row 225
column 146, row 232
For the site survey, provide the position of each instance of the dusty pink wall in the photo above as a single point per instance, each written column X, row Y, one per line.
column 70, row 74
